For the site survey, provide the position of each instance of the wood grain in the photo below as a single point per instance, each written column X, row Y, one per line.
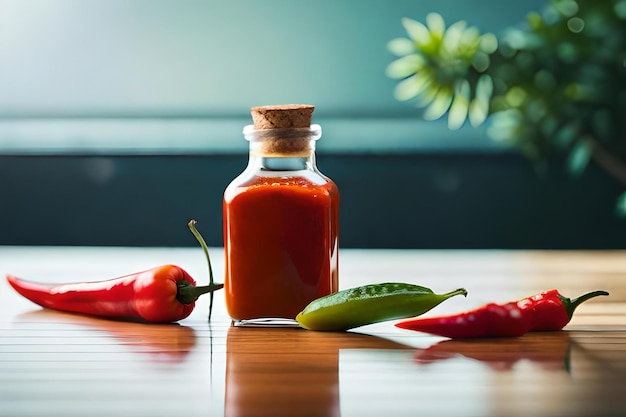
column 58, row 364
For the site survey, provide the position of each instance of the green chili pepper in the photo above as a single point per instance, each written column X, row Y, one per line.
column 370, row 304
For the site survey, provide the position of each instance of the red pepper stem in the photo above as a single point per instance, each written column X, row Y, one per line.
column 187, row 293
column 212, row 286
column 571, row 304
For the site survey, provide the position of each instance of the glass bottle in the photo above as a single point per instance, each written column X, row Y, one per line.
column 280, row 220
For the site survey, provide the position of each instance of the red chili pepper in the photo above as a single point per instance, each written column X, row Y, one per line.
column 163, row 294
column 546, row 311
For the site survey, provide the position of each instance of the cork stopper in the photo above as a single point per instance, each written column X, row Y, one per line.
column 279, row 130
column 282, row 116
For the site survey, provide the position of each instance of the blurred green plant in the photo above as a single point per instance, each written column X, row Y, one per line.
column 556, row 86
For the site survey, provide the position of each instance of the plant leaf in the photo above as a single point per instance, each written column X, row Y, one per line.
column 578, row 159
column 436, row 25
column 401, row 46
column 484, row 87
column 411, row 87
column 428, row 95
column 471, row 37
column 563, row 137
column 488, row 43
column 405, row 66
column 452, row 36
column 480, row 61
column 534, row 20
column 477, row 112
column 479, row 106
column 459, row 107
column 505, row 125
column 416, row 30
column 440, row 104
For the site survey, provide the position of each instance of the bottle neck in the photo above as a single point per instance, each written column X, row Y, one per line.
column 283, row 149
column 284, row 161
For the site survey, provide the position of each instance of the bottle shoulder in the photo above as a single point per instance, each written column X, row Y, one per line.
column 303, row 181
column 251, row 177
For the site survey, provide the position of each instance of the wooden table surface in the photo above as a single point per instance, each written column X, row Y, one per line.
column 57, row 364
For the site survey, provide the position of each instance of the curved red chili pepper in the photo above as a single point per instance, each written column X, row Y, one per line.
column 546, row 311
column 163, row 294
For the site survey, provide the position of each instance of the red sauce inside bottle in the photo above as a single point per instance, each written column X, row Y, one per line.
column 280, row 238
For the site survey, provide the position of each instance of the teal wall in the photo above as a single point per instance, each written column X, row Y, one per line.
column 213, row 58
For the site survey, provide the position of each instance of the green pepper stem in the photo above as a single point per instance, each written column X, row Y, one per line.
column 460, row 291
column 570, row 305
column 187, row 293
column 212, row 287
column 203, row 245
